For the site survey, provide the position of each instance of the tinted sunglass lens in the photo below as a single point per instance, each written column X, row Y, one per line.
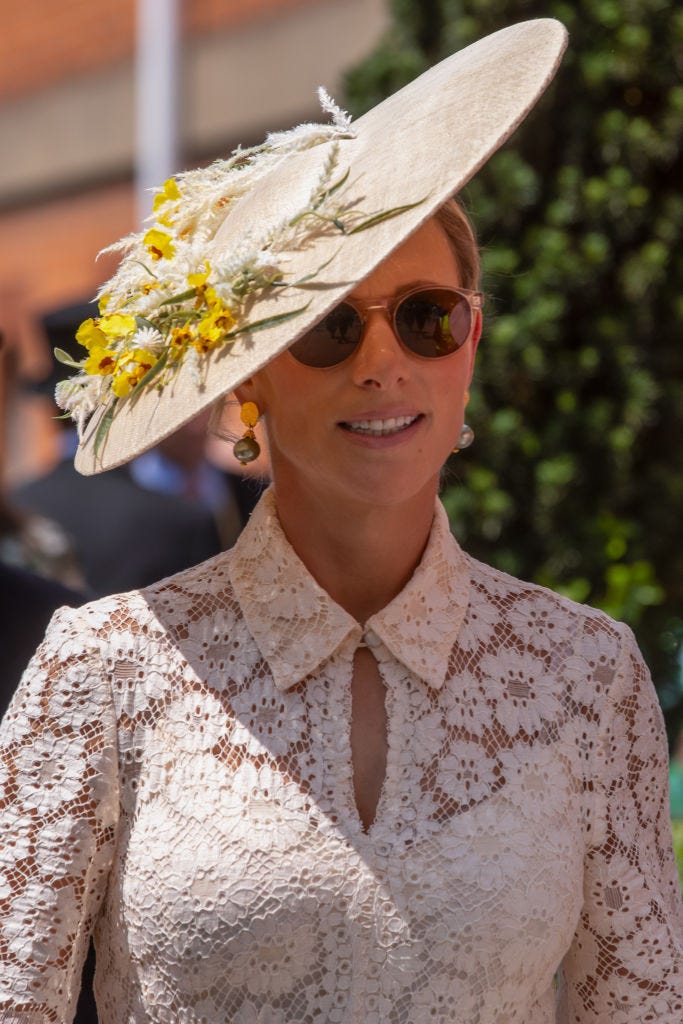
column 332, row 340
column 433, row 323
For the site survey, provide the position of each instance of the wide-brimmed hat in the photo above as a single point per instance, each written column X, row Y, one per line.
column 247, row 255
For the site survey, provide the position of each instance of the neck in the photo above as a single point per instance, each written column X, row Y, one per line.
column 360, row 553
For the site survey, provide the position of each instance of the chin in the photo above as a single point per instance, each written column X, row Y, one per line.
column 387, row 490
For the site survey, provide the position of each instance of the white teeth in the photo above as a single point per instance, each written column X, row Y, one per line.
column 380, row 427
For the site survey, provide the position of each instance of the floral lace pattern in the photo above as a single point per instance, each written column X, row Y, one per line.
column 175, row 773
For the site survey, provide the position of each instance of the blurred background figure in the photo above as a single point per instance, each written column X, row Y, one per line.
column 34, row 554
column 182, row 465
column 29, row 540
column 137, row 524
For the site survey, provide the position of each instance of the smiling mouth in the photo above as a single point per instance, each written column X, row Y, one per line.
column 381, row 428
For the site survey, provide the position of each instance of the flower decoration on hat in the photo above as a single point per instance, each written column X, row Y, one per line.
column 171, row 303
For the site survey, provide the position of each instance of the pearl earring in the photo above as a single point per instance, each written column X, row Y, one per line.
column 465, row 439
column 466, row 433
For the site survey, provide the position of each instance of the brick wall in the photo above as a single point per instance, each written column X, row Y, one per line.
column 44, row 41
column 59, row 242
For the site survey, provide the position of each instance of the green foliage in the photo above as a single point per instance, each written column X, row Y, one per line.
column 576, row 476
column 677, row 829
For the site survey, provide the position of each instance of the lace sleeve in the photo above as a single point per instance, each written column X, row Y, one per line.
column 625, row 965
column 58, row 816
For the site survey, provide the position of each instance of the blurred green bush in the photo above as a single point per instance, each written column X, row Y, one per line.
column 677, row 829
column 575, row 479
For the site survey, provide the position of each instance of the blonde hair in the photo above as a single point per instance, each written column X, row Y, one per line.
column 460, row 232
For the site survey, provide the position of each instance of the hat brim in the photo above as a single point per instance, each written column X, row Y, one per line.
column 419, row 146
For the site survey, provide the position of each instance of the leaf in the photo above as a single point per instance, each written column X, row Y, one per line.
column 104, row 425
column 269, row 321
column 307, row 277
column 145, row 267
column 332, row 189
column 142, row 321
column 314, row 214
column 335, row 188
column 377, row 218
column 183, row 316
column 181, row 297
column 63, row 357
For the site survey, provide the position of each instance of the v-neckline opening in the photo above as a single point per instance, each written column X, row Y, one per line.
column 371, row 707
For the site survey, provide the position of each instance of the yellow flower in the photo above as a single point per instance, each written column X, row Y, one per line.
column 131, row 369
column 104, row 301
column 213, row 327
column 100, row 361
column 169, row 191
column 199, row 279
column 159, row 244
column 179, row 339
column 167, row 194
column 89, row 335
column 205, row 293
column 117, row 325
column 144, row 358
column 99, row 332
column 121, row 385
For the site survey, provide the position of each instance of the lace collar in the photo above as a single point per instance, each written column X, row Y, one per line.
column 297, row 626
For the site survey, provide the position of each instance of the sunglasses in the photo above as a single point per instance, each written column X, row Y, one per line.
column 429, row 322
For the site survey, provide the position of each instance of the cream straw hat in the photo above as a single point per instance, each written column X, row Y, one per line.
column 246, row 255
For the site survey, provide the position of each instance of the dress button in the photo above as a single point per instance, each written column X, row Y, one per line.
column 371, row 638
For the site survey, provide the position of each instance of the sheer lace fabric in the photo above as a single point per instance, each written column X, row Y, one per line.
column 175, row 772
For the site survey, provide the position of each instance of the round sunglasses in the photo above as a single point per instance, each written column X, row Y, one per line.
column 430, row 322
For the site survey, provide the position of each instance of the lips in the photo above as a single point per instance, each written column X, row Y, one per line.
column 380, row 426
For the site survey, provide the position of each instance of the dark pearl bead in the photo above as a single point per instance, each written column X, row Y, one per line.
column 246, row 450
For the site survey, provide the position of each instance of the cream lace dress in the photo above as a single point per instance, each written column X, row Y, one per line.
column 175, row 772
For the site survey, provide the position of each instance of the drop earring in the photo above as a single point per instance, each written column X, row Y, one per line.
column 465, row 439
column 247, row 449
column 466, row 433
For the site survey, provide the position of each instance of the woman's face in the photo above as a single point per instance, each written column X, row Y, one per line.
column 310, row 413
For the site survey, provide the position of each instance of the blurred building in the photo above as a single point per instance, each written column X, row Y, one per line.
column 67, row 124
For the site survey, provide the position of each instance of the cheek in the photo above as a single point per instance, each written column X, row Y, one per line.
column 289, row 414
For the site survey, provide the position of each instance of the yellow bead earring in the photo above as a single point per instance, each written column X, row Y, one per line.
column 247, row 449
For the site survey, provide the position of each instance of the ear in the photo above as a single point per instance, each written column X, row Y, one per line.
column 477, row 329
column 474, row 340
column 245, row 392
column 253, row 389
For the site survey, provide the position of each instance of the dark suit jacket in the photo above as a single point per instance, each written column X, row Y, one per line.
column 124, row 536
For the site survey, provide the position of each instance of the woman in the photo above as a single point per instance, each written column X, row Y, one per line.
column 343, row 772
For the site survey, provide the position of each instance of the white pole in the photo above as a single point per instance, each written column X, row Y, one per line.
column 156, row 98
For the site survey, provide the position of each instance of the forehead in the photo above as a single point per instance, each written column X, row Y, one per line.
column 426, row 257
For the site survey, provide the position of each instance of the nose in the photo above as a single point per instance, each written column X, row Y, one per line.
column 379, row 362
